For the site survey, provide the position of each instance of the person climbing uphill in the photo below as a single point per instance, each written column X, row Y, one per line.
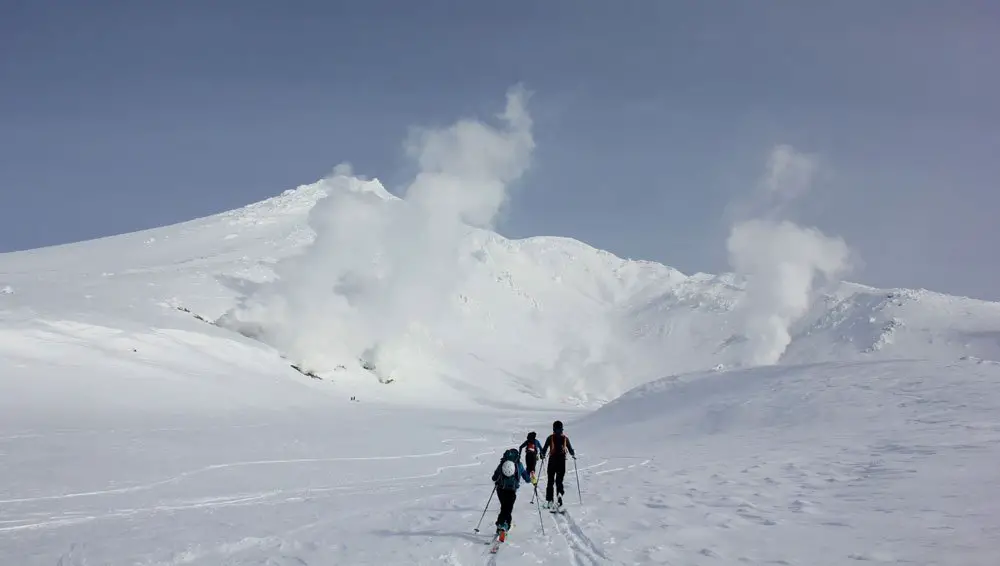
column 531, row 448
column 507, row 478
column 560, row 445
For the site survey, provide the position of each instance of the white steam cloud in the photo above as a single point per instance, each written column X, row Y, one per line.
column 781, row 260
column 789, row 173
column 382, row 270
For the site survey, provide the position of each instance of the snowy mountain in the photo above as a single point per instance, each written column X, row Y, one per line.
column 135, row 433
column 544, row 318
column 331, row 375
column 553, row 315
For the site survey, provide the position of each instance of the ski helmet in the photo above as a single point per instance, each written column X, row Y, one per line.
column 508, row 468
column 531, row 435
column 557, row 426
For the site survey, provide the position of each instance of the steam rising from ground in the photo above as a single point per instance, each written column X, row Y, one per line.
column 382, row 272
column 781, row 260
column 381, row 269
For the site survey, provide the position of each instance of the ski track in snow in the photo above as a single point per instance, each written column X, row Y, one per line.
column 242, row 499
column 685, row 509
column 582, row 551
column 41, row 513
column 214, row 467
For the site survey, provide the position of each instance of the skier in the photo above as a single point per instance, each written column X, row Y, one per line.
column 560, row 445
column 531, row 448
column 507, row 478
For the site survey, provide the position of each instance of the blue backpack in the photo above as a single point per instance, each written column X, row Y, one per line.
column 512, row 481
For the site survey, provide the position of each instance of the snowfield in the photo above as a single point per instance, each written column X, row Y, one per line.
column 150, row 413
column 885, row 462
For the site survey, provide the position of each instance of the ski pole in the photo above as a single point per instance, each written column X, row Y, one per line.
column 577, row 472
column 485, row 508
column 539, row 506
column 535, row 493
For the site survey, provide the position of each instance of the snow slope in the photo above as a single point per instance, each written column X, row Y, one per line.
column 134, row 433
column 150, row 413
column 888, row 462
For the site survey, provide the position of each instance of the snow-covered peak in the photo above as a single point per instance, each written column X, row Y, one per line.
column 354, row 285
column 300, row 200
column 548, row 317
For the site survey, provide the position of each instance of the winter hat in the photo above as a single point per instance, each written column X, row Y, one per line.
column 531, row 435
column 557, row 426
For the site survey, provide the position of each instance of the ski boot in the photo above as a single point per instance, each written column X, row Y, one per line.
column 557, row 507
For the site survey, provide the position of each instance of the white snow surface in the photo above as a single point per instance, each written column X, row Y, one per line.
column 133, row 433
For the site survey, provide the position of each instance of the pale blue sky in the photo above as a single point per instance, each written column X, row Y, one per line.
column 650, row 117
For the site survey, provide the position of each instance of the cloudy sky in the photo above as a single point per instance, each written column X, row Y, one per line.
column 653, row 120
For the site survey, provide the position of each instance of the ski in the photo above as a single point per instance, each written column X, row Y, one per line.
column 496, row 542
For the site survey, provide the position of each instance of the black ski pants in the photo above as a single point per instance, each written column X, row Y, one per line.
column 530, row 459
column 507, row 498
column 557, row 471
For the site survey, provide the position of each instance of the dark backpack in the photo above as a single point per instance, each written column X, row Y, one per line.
column 512, row 481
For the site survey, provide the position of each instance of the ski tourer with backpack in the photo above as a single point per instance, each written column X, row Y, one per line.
column 507, row 479
column 557, row 446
